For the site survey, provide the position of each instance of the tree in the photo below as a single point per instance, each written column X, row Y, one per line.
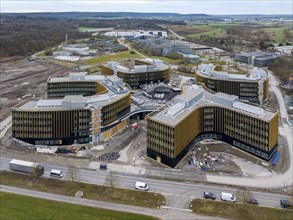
column 262, row 45
column 72, row 173
column 49, row 53
column 111, row 180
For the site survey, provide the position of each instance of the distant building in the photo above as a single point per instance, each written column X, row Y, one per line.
column 67, row 58
column 253, row 87
column 75, row 47
column 136, row 34
column 286, row 50
column 199, row 114
column 138, row 71
column 62, row 53
column 259, row 59
column 191, row 58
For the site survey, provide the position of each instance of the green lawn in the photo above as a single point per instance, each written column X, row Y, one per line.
column 109, row 57
column 90, row 191
column 217, row 30
column 86, row 29
column 238, row 211
column 276, row 34
column 166, row 59
column 16, row 207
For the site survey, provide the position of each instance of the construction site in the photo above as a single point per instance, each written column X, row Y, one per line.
column 125, row 150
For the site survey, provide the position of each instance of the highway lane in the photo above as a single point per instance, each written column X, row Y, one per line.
column 178, row 195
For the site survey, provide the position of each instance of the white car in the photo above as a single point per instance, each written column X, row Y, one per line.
column 141, row 186
column 228, row 197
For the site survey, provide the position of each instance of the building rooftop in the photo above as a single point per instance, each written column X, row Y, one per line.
column 116, row 90
column 197, row 96
column 150, row 65
column 258, row 55
column 207, row 70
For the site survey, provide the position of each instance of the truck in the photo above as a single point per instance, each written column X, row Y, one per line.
column 26, row 167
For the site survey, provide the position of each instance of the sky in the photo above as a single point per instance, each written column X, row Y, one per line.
column 176, row 6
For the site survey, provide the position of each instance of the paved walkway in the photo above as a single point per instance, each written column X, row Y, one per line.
column 163, row 213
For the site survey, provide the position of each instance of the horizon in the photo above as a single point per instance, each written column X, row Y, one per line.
column 135, row 13
column 209, row 7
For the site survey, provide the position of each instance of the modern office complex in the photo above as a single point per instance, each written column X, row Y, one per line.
column 260, row 59
column 199, row 114
column 253, row 87
column 85, row 109
column 139, row 71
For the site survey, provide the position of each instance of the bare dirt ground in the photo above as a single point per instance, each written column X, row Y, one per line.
column 130, row 144
column 21, row 79
column 218, row 157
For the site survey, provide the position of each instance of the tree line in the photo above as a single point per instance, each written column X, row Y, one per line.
column 283, row 67
column 22, row 36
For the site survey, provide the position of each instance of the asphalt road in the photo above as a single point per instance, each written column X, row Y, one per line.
column 164, row 213
column 178, row 195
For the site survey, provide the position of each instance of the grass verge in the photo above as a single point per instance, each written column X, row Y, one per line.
column 24, row 207
column 90, row 191
column 238, row 211
column 108, row 57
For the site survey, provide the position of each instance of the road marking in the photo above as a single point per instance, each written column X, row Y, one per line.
column 184, row 196
column 167, row 207
column 177, row 195
column 192, row 197
column 170, row 194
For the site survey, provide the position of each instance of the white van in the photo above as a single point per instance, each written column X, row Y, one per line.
column 228, row 197
column 56, row 173
column 141, row 186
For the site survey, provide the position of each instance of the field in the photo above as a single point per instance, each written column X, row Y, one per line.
column 90, row 191
column 276, row 34
column 82, row 29
column 166, row 59
column 195, row 31
column 238, row 211
column 109, row 57
column 23, row 207
column 185, row 30
column 217, row 30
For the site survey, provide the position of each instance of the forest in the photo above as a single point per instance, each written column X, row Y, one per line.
column 22, row 35
column 283, row 67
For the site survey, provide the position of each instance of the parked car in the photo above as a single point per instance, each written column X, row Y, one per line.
column 209, row 195
column 252, row 201
column 286, row 204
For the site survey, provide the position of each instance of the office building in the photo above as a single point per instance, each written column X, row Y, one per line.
column 82, row 109
column 139, row 71
column 259, row 59
column 199, row 114
column 253, row 86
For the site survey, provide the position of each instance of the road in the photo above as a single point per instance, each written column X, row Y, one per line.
column 130, row 48
column 178, row 195
column 160, row 213
column 176, row 35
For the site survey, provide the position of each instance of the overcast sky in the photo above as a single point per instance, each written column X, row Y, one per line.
column 179, row 6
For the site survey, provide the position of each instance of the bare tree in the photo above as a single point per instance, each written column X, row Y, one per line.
column 111, row 180
column 72, row 173
column 244, row 195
